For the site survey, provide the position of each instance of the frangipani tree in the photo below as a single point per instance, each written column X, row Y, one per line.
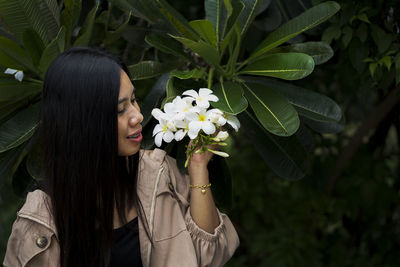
column 248, row 85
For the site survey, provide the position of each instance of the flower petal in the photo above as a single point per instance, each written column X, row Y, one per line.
column 213, row 98
column 191, row 93
column 234, row 122
column 19, row 76
column 158, row 139
column 157, row 129
column 179, row 135
column 157, row 113
column 202, row 103
column 208, row 127
column 10, row 71
column 204, row 92
column 168, row 136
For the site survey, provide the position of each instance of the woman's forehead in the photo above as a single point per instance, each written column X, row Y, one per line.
column 126, row 85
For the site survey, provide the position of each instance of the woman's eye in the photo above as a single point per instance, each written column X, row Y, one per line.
column 133, row 100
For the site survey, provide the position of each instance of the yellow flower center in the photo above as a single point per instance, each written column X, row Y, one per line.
column 165, row 128
column 202, row 117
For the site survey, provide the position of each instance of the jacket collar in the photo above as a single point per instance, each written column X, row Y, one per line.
column 37, row 203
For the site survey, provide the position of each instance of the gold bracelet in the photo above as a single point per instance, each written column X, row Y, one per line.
column 203, row 187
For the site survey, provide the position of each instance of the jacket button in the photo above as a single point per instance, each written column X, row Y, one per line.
column 171, row 187
column 41, row 242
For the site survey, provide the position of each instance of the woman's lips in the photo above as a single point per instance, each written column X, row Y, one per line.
column 137, row 139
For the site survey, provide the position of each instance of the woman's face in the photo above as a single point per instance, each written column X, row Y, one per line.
column 129, row 119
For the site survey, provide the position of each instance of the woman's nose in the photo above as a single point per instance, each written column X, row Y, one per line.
column 136, row 118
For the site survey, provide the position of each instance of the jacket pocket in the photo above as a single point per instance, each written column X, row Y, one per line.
column 168, row 218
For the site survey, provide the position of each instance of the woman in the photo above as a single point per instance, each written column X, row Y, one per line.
column 105, row 202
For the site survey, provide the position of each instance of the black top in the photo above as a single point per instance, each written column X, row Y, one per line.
column 126, row 246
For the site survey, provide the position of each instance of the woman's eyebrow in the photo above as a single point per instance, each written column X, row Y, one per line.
column 122, row 100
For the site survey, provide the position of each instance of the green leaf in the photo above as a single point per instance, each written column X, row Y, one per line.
column 381, row 38
column 288, row 66
column 363, row 17
column 357, row 53
column 248, row 14
column 232, row 27
column 10, row 50
column 307, row 103
column 177, row 20
column 307, row 20
column 206, row 31
column 217, row 13
column 154, row 98
column 397, row 64
column 70, row 17
column 332, row 32
column 33, row 44
column 34, row 161
column 188, row 74
column 51, row 15
column 320, row 52
column 231, row 98
column 111, row 37
column 206, row 51
column 148, row 69
column 324, row 126
column 387, row 61
column 12, row 90
column 347, row 35
column 9, row 162
column 273, row 110
column 362, row 32
column 287, row 156
column 372, row 68
column 167, row 45
column 19, row 128
column 146, row 9
column 53, row 49
column 85, row 33
column 19, row 15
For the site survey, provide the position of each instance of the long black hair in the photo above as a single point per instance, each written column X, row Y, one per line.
column 84, row 176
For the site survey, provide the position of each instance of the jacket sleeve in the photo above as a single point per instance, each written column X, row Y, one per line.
column 211, row 249
column 11, row 257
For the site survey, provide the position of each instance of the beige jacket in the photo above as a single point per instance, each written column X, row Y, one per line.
column 164, row 192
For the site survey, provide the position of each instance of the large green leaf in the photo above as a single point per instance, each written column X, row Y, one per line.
column 14, row 52
column 286, row 156
column 52, row 50
column 189, row 74
column 19, row 15
column 51, row 15
column 9, row 162
column 12, row 90
column 206, row 51
column 324, row 126
column 217, row 13
column 177, row 20
column 248, row 14
column 19, row 128
column 307, row 20
column 154, row 98
column 148, row 69
column 231, row 99
column 33, row 44
column 231, row 27
column 34, row 161
column 115, row 35
column 85, row 33
column 167, row 45
column 273, row 110
column 320, row 52
column 307, row 103
column 288, row 66
column 206, row 31
column 70, row 17
column 146, row 9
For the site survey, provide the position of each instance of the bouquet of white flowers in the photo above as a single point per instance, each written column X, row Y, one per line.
column 181, row 118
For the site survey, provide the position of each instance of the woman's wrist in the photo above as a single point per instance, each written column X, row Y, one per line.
column 198, row 174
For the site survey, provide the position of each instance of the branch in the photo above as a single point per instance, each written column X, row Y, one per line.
column 371, row 122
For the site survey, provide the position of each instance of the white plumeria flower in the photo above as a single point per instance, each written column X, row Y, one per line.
column 162, row 132
column 221, row 136
column 232, row 121
column 18, row 74
column 217, row 117
column 183, row 126
column 180, row 106
column 200, row 121
column 203, row 97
